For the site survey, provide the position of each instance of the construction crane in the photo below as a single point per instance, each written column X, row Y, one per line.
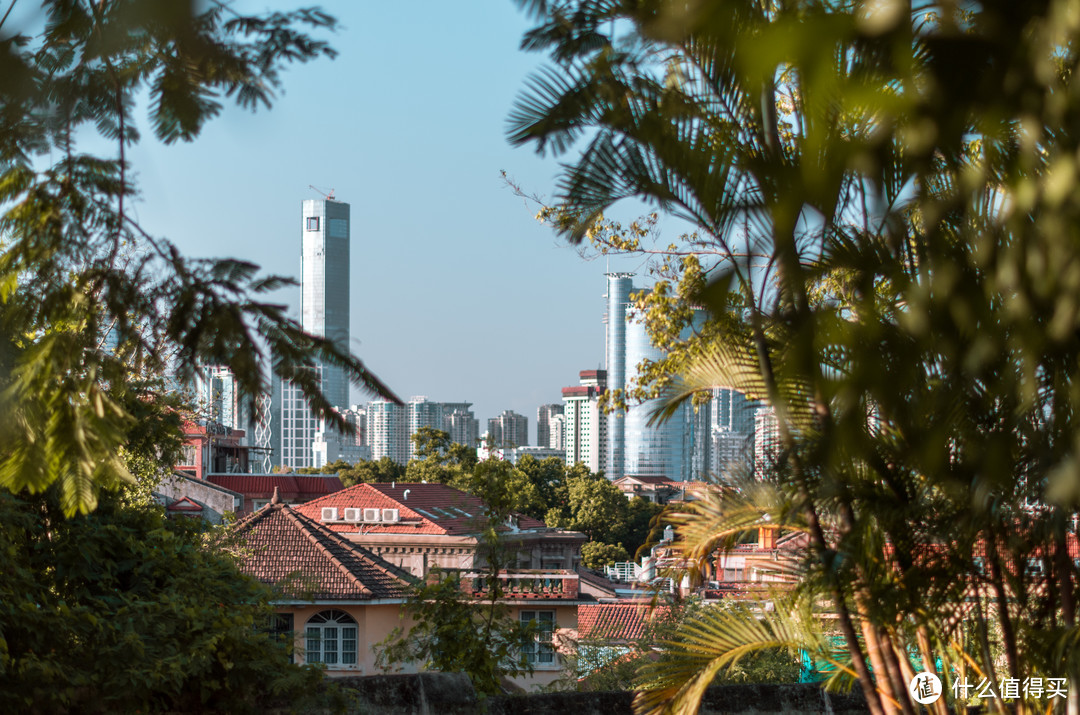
column 327, row 196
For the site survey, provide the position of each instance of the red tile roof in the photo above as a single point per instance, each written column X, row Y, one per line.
column 615, row 621
column 659, row 481
column 184, row 504
column 307, row 561
column 290, row 486
column 423, row 509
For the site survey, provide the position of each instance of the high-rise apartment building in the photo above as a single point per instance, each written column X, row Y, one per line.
column 461, row 423
column 586, row 434
column 324, row 311
column 766, row 440
column 509, row 429
column 557, row 432
column 351, row 446
column 544, row 413
column 388, row 431
column 422, row 412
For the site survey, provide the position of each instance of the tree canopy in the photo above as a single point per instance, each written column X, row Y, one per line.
column 884, row 207
column 77, row 271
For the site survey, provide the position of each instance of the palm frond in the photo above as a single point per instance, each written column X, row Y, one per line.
column 717, row 638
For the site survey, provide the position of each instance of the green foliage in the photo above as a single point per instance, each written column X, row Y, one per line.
column 595, row 555
column 887, row 240
column 606, row 665
column 123, row 610
column 363, row 472
column 75, row 266
column 454, row 631
column 548, row 476
column 594, row 506
column 431, row 443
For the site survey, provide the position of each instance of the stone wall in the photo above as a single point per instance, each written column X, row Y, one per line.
column 452, row 694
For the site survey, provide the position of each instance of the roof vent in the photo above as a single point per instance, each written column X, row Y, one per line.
column 329, row 513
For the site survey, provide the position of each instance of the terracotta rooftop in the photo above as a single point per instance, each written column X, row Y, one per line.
column 289, row 485
column 422, row 508
column 659, row 481
column 185, row 504
column 615, row 621
column 308, row 561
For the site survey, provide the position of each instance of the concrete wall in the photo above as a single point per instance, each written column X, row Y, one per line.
column 452, row 694
column 215, row 501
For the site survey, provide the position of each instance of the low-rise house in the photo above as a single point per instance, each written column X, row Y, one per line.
column 345, row 581
column 182, row 495
column 662, row 490
column 212, row 447
column 336, row 597
column 423, row 526
column 258, row 489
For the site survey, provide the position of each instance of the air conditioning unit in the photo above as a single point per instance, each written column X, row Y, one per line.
column 391, row 515
column 353, row 514
column 329, row 513
column 371, row 514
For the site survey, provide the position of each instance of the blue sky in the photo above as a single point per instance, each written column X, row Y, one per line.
column 457, row 292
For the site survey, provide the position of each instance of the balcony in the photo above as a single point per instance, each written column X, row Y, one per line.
column 525, row 584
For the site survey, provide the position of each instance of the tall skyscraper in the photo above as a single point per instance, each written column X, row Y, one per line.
column 219, row 395
column 732, row 430
column 324, row 285
column 619, row 288
column 324, row 311
column 678, row 448
column 293, row 428
column 509, row 429
column 544, row 413
column 585, row 423
column 388, row 431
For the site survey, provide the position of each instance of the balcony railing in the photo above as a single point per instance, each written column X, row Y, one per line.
column 536, row 584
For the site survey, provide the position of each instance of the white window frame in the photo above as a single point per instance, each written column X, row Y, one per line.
column 332, row 637
column 540, row 652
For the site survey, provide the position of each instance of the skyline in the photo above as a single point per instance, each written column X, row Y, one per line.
column 496, row 310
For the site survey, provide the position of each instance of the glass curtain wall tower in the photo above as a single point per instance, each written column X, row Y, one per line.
column 677, row 448
column 324, row 311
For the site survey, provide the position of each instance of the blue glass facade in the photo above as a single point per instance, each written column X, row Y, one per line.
column 678, row 448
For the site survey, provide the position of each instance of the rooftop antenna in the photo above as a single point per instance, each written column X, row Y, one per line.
column 327, row 196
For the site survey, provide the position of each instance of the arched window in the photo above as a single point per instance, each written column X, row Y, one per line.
column 331, row 638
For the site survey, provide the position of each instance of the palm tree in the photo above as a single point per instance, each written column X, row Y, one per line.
column 868, row 253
